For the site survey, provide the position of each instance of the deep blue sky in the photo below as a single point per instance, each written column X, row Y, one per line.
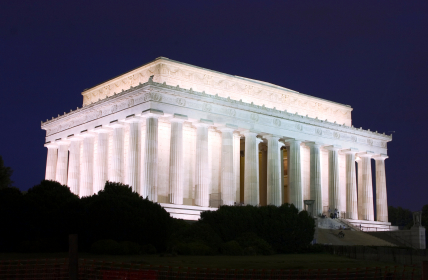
column 371, row 55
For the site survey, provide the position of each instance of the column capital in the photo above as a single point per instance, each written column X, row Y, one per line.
column 272, row 136
column 179, row 118
column 350, row 151
column 51, row 145
column 333, row 147
column 259, row 140
column 86, row 134
column 101, row 129
column 380, row 157
column 293, row 140
column 133, row 119
column 203, row 122
column 227, row 127
column 236, row 134
column 250, row 132
column 153, row 113
column 115, row 124
column 73, row 137
column 314, row 144
column 365, row 154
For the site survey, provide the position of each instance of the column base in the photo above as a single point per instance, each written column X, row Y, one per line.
column 185, row 212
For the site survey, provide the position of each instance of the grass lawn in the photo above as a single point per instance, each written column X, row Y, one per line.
column 290, row 261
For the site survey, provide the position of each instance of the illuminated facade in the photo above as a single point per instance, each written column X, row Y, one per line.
column 190, row 138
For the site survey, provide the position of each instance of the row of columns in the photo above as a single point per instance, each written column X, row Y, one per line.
column 85, row 178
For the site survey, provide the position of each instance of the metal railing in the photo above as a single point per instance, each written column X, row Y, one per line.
column 90, row 269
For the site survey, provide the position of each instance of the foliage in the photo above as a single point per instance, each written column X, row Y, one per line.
column 260, row 246
column 120, row 214
column 231, row 248
column 42, row 219
column 403, row 218
column 284, row 228
column 193, row 248
column 5, row 174
column 106, row 247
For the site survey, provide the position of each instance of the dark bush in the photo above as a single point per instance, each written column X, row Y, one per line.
column 193, row 248
column 106, row 247
column 231, row 248
column 260, row 246
column 130, row 248
column 149, row 249
column 284, row 228
column 120, row 214
column 201, row 233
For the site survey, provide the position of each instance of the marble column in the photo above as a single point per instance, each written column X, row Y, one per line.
column 295, row 175
column 359, row 186
column 228, row 190
column 202, row 164
column 274, row 188
column 237, row 166
column 176, row 160
column 51, row 161
column 62, row 162
column 101, row 168
column 315, row 177
column 251, row 179
column 73, row 181
column 351, row 185
column 117, row 154
column 381, row 198
column 87, row 171
column 367, row 211
column 133, row 155
column 150, row 169
column 333, row 177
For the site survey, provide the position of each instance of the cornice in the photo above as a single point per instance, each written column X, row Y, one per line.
column 153, row 91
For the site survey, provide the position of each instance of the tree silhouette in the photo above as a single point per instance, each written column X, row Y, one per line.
column 5, row 174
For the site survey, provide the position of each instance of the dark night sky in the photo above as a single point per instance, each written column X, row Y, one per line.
column 371, row 55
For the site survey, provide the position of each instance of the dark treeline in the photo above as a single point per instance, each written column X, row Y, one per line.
column 403, row 218
column 117, row 220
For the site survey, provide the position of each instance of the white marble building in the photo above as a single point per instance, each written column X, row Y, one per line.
column 186, row 136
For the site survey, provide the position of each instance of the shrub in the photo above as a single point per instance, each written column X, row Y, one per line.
column 284, row 228
column 193, row 248
column 149, row 249
column 231, row 248
column 106, row 247
column 130, row 248
column 251, row 240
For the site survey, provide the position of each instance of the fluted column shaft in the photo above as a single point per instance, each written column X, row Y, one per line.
column 315, row 177
column 295, row 175
column 202, row 170
column 351, row 187
column 117, row 155
column 176, row 162
column 133, row 156
column 151, row 159
column 251, row 179
column 359, row 186
column 367, row 211
column 237, row 165
column 381, row 197
column 333, row 179
column 87, row 172
column 274, row 189
column 62, row 164
column 73, row 181
column 51, row 162
column 101, row 169
column 228, row 191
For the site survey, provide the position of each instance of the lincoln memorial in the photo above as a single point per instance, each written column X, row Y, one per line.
column 192, row 139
